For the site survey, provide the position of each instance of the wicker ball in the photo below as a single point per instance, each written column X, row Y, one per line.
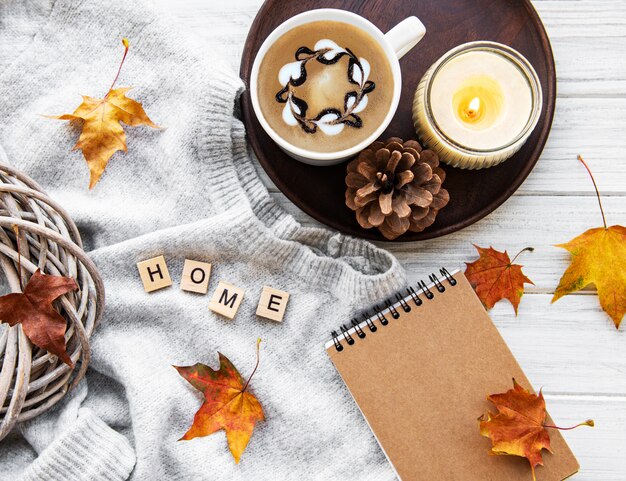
column 31, row 379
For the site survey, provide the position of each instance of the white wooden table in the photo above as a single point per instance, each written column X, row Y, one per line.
column 570, row 348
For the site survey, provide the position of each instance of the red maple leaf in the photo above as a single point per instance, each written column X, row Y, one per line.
column 42, row 324
column 519, row 427
column 494, row 277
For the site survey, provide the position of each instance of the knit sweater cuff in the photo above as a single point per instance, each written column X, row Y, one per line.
column 88, row 450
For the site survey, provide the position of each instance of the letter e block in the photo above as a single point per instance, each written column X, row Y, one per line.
column 226, row 300
column 154, row 274
column 195, row 276
column 272, row 304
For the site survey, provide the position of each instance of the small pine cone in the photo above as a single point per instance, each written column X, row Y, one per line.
column 395, row 186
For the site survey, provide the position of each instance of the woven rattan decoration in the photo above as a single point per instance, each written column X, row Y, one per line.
column 31, row 379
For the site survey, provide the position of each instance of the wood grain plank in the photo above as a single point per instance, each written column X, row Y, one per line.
column 588, row 38
column 595, row 128
column 601, row 451
column 572, row 335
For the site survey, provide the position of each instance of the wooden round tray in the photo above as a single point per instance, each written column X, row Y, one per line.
column 319, row 191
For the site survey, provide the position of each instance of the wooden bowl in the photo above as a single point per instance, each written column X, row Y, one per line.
column 319, row 191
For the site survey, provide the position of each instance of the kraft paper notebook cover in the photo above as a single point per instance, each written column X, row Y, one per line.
column 421, row 381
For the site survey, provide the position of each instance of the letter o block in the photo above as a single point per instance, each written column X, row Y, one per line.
column 226, row 300
column 196, row 276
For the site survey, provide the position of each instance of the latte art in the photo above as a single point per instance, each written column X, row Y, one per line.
column 325, row 86
column 330, row 121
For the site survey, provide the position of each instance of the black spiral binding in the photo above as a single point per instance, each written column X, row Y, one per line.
column 357, row 327
column 416, row 294
column 381, row 317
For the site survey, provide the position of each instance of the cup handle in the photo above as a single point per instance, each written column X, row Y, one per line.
column 406, row 35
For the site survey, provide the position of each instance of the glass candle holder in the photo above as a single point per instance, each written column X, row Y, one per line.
column 477, row 105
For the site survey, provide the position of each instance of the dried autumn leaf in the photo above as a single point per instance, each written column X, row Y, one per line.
column 519, row 428
column 102, row 132
column 228, row 405
column 598, row 257
column 41, row 323
column 494, row 277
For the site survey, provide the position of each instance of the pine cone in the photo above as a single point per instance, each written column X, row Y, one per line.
column 396, row 187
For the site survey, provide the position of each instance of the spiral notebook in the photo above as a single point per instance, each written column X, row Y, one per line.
column 420, row 368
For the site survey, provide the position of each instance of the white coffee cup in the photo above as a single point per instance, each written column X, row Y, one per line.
column 395, row 43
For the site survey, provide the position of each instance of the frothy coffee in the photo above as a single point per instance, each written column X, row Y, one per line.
column 325, row 86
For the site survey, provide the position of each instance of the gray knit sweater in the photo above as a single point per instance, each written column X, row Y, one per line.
column 190, row 191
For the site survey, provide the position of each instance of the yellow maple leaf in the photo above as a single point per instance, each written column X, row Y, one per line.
column 598, row 257
column 102, row 132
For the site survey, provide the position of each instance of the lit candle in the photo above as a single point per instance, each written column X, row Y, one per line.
column 477, row 105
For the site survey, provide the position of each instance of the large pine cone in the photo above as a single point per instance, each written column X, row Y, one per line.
column 396, row 187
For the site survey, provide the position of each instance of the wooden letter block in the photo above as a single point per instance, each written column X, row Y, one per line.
column 226, row 300
column 272, row 304
column 195, row 276
column 154, row 274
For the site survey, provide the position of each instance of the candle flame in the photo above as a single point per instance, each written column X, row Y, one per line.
column 474, row 105
column 472, row 112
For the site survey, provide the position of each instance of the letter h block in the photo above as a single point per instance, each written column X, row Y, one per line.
column 226, row 300
column 154, row 274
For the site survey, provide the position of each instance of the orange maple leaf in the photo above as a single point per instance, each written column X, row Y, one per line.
column 102, row 133
column 494, row 277
column 598, row 257
column 228, row 405
column 519, row 428
column 41, row 323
